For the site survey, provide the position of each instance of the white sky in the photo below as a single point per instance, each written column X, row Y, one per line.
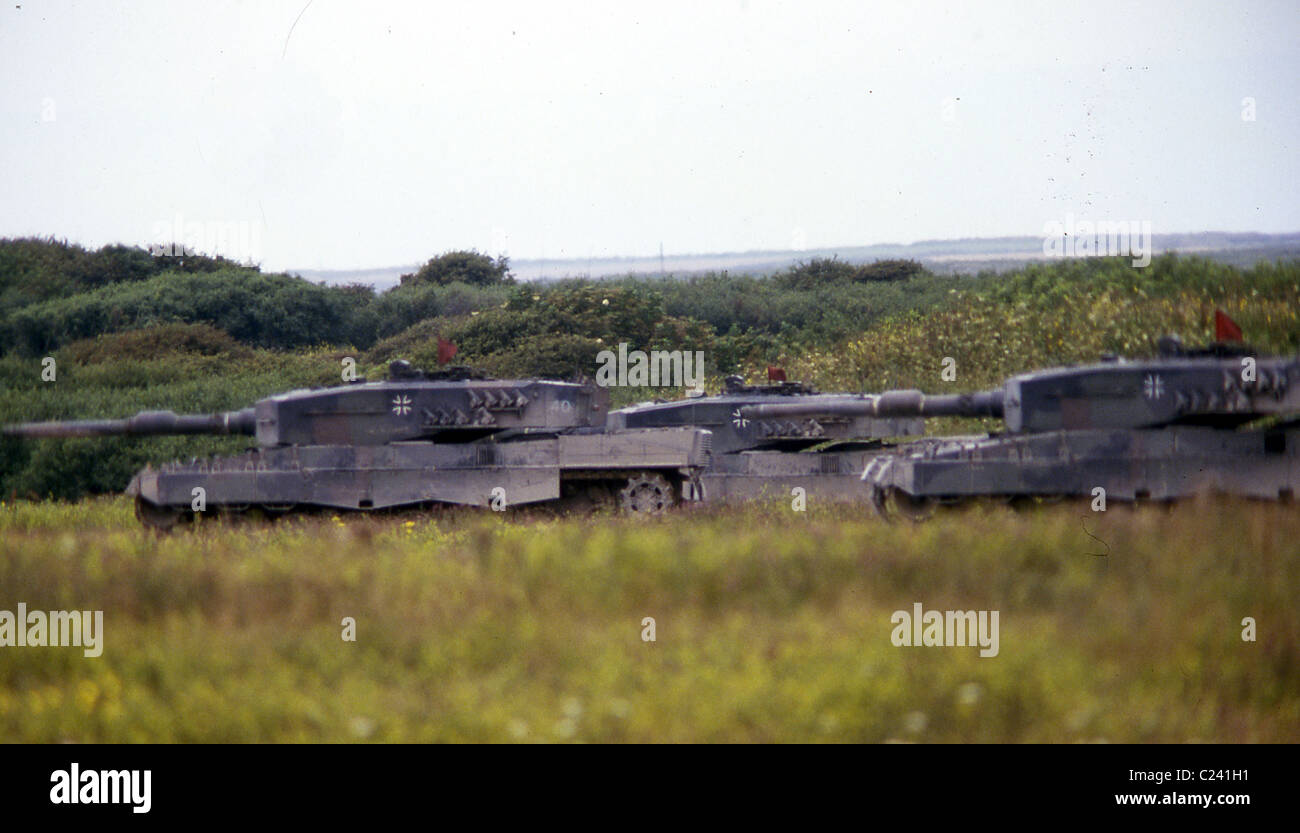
column 382, row 133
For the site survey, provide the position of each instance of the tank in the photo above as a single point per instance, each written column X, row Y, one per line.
column 1219, row 419
column 817, row 445
column 449, row 437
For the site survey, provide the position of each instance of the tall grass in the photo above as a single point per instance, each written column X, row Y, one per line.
column 771, row 626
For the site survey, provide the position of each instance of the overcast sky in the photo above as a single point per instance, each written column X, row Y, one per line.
column 348, row 134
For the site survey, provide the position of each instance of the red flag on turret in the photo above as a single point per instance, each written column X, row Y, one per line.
column 775, row 374
column 1225, row 329
column 446, row 350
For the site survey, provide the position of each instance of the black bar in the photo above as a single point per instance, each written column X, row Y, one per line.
column 215, row 783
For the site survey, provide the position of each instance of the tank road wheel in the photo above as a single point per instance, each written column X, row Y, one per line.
column 647, row 493
column 159, row 518
column 900, row 504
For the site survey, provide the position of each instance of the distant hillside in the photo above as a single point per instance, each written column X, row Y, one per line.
column 962, row 257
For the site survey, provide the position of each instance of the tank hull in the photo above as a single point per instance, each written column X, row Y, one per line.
column 1157, row 464
column 526, row 470
column 770, row 475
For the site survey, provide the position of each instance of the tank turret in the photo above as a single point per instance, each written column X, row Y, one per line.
column 1191, row 388
column 457, row 405
column 781, row 415
column 436, row 403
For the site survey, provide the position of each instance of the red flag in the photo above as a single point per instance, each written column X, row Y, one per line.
column 775, row 374
column 1225, row 329
column 446, row 350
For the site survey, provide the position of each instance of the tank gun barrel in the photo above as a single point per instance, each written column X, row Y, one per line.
column 146, row 423
column 894, row 403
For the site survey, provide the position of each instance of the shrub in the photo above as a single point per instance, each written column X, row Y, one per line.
column 276, row 311
column 548, row 356
column 155, row 341
column 469, row 267
column 889, row 270
column 816, row 272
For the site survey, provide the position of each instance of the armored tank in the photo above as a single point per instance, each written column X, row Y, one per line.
column 1218, row 419
column 822, row 448
column 449, row 437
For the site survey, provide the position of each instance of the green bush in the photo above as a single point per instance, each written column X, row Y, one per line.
column 35, row 269
column 547, row 356
column 889, row 270
column 556, row 330
column 470, row 267
column 817, row 272
column 155, row 341
column 823, row 271
column 260, row 310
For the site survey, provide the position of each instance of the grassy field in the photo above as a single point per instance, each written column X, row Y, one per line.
column 770, row 626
